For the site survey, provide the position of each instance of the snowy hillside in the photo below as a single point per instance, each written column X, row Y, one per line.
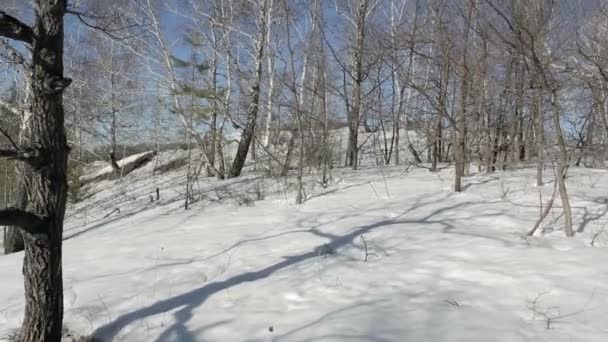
column 246, row 264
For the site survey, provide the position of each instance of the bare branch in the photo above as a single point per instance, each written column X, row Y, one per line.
column 31, row 223
column 105, row 24
column 12, row 54
column 13, row 28
column 8, row 137
column 32, row 156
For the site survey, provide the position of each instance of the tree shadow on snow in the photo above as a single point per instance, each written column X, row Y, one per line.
column 187, row 302
column 589, row 217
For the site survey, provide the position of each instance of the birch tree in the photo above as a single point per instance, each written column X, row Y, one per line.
column 247, row 134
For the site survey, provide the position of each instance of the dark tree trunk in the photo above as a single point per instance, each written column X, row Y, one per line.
column 252, row 113
column 114, row 162
column 221, row 171
column 113, row 144
column 48, row 189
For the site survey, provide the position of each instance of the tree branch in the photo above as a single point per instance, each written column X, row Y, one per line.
column 107, row 28
column 12, row 54
column 10, row 140
column 32, row 156
column 13, row 28
column 31, row 223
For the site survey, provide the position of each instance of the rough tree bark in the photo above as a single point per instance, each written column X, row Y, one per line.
column 42, row 220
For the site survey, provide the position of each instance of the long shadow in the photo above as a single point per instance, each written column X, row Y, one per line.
column 99, row 225
column 590, row 217
column 346, row 187
column 117, row 218
column 225, row 185
column 483, row 182
column 190, row 300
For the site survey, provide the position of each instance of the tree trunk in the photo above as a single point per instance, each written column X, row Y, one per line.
column 539, row 137
column 442, row 99
column 42, row 263
column 113, row 145
column 114, row 110
column 355, row 113
column 270, row 60
column 289, row 154
column 252, row 112
column 460, row 129
column 520, row 150
column 562, row 166
column 325, row 149
column 211, row 150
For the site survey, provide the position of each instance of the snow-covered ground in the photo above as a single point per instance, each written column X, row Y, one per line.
column 246, row 264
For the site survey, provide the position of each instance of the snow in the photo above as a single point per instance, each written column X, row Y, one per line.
column 123, row 163
column 442, row 266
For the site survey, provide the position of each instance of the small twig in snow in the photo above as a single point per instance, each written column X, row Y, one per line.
column 374, row 188
column 116, row 210
column 551, row 314
column 453, row 303
column 596, row 235
column 367, row 252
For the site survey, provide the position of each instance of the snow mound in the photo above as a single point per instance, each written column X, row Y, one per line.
column 126, row 165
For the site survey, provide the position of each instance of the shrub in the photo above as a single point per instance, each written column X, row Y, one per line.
column 75, row 185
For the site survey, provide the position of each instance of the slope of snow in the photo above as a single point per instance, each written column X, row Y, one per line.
column 125, row 163
column 441, row 266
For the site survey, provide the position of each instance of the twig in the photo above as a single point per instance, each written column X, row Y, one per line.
column 551, row 314
column 374, row 188
column 595, row 236
column 10, row 140
column 453, row 303
column 367, row 252
column 112, row 212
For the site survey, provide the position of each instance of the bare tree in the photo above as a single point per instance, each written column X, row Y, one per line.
column 530, row 28
column 460, row 129
column 364, row 8
column 247, row 133
column 42, row 220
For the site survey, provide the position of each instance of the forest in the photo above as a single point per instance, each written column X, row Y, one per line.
column 169, row 135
